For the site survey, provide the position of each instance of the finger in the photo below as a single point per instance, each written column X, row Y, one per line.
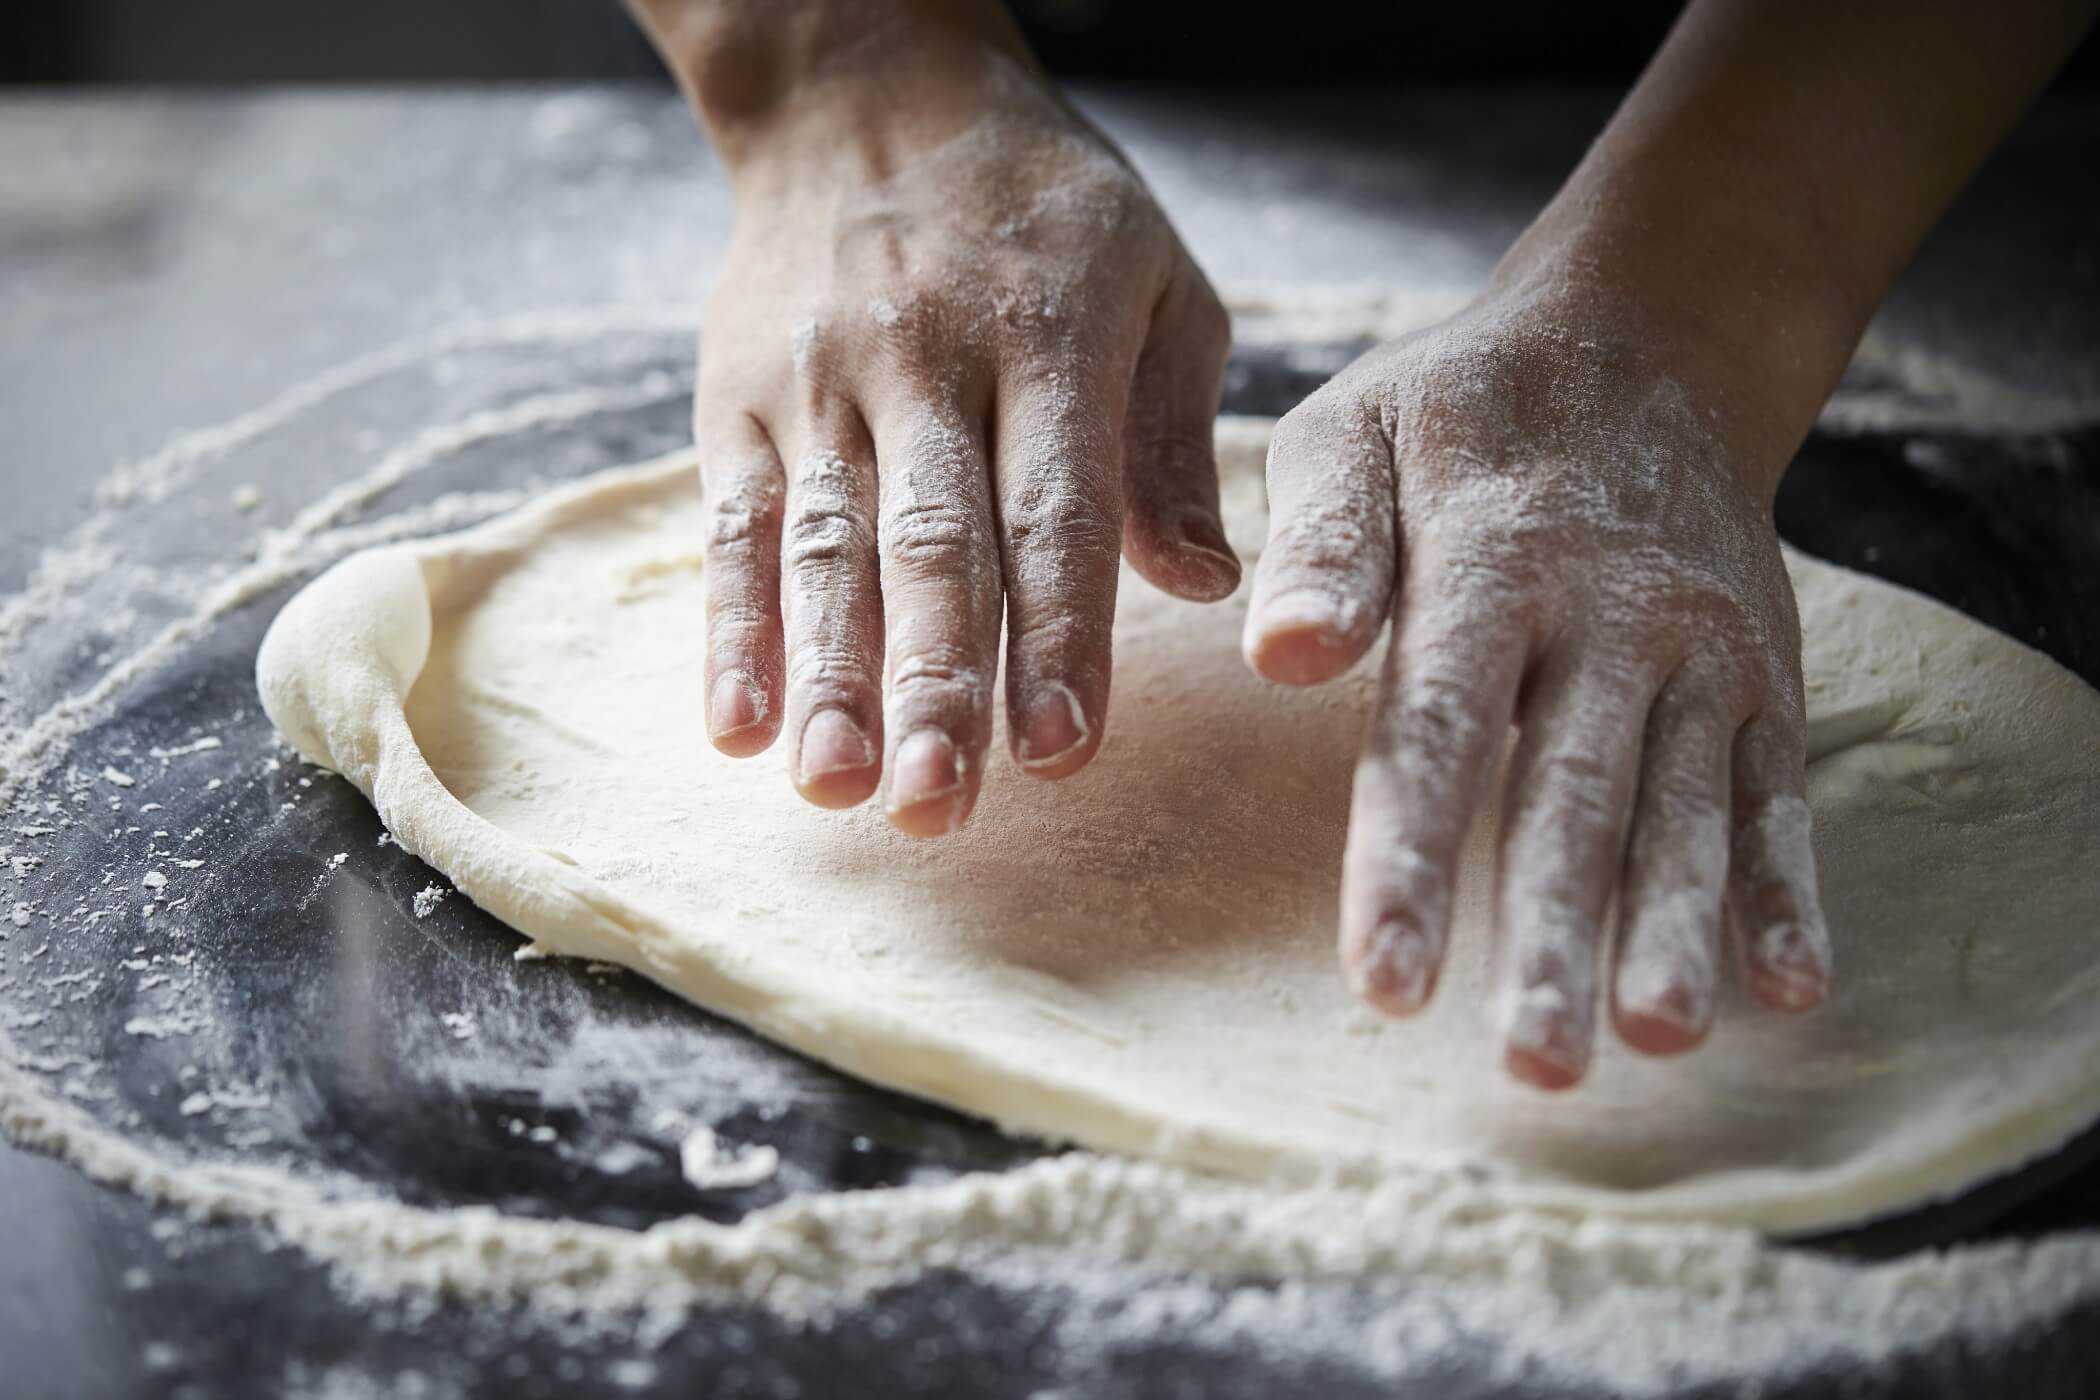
column 1772, row 898
column 1443, row 715
column 940, row 604
column 745, row 489
column 831, row 604
column 1570, row 790
column 1667, row 971
column 1058, row 485
column 1326, row 576
column 1172, row 531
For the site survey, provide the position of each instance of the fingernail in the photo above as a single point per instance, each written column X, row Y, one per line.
column 1300, row 638
column 926, row 767
column 1202, row 533
column 1395, row 971
column 833, row 743
column 1670, row 998
column 1545, row 1035
column 735, row 704
column 1794, row 967
column 1053, row 725
column 1305, row 609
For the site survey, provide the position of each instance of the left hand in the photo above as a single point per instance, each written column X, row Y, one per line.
column 1569, row 523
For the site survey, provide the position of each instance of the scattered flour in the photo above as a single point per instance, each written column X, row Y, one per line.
column 427, row 899
column 1436, row 1259
column 173, row 1024
column 710, row 1166
column 1133, row 1247
column 204, row 745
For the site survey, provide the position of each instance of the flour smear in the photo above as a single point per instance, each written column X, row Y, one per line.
column 1385, row 1278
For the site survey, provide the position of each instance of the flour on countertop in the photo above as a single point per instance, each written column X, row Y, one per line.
column 711, row 1166
column 1384, row 1274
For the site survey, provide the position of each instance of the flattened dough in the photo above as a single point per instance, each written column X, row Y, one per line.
column 1141, row 959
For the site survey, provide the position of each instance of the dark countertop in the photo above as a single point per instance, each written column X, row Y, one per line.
column 167, row 263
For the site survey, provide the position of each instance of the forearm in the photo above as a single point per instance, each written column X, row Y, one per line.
column 1778, row 164
column 758, row 70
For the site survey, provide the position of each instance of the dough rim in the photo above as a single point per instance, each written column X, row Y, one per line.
column 335, row 678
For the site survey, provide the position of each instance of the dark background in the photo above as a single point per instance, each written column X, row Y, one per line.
column 1306, row 43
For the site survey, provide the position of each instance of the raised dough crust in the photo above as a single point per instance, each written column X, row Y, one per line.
column 1140, row 959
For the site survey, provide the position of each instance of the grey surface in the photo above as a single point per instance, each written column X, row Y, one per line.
column 169, row 262
column 172, row 263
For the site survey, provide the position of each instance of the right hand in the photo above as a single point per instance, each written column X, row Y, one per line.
column 955, row 363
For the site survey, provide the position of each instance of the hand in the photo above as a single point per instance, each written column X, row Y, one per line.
column 1569, row 522
column 956, row 361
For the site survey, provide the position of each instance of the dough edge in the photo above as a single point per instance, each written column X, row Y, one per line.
column 334, row 673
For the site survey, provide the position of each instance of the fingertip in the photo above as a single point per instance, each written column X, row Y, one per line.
column 1209, row 569
column 838, row 790
column 1659, row 1029
column 1662, row 1004
column 1188, row 557
column 1304, row 638
column 930, row 792
column 740, row 718
column 1546, row 1037
column 745, row 743
column 1052, row 737
column 1541, row 1069
column 1786, row 973
column 1789, row 964
column 835, row 764
column 928, row 821
column 1394, row 967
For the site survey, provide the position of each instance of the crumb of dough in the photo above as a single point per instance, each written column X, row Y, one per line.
column 711, row 1166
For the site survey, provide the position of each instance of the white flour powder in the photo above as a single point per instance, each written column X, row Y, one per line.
column 1388, row 1276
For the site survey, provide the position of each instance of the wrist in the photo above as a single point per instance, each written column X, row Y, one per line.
column 836, row 77
column 1740, row 312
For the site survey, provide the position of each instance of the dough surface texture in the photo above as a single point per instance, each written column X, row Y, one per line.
column 1141, row 959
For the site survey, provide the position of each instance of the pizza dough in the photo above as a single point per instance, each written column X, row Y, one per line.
column 1141, row 959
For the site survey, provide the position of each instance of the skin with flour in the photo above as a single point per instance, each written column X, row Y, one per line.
column 968, row 361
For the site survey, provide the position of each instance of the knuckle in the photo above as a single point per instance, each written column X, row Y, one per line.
column 821, row 669
column 1441, row 721
column 1693, row 719
column 1575, row 792
column 1575, row 770
column 1156, row 443
column 919, row 344
column 936, row 677
column 1556, row 940
column 1059, row 632
column 1683, row 798
column 823, row 531
column 1327, row 537
column 932, row 536
column 1306, row 430
column 742, row 513
column 818, row 536
column 1066, row 521
column 737, row 613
